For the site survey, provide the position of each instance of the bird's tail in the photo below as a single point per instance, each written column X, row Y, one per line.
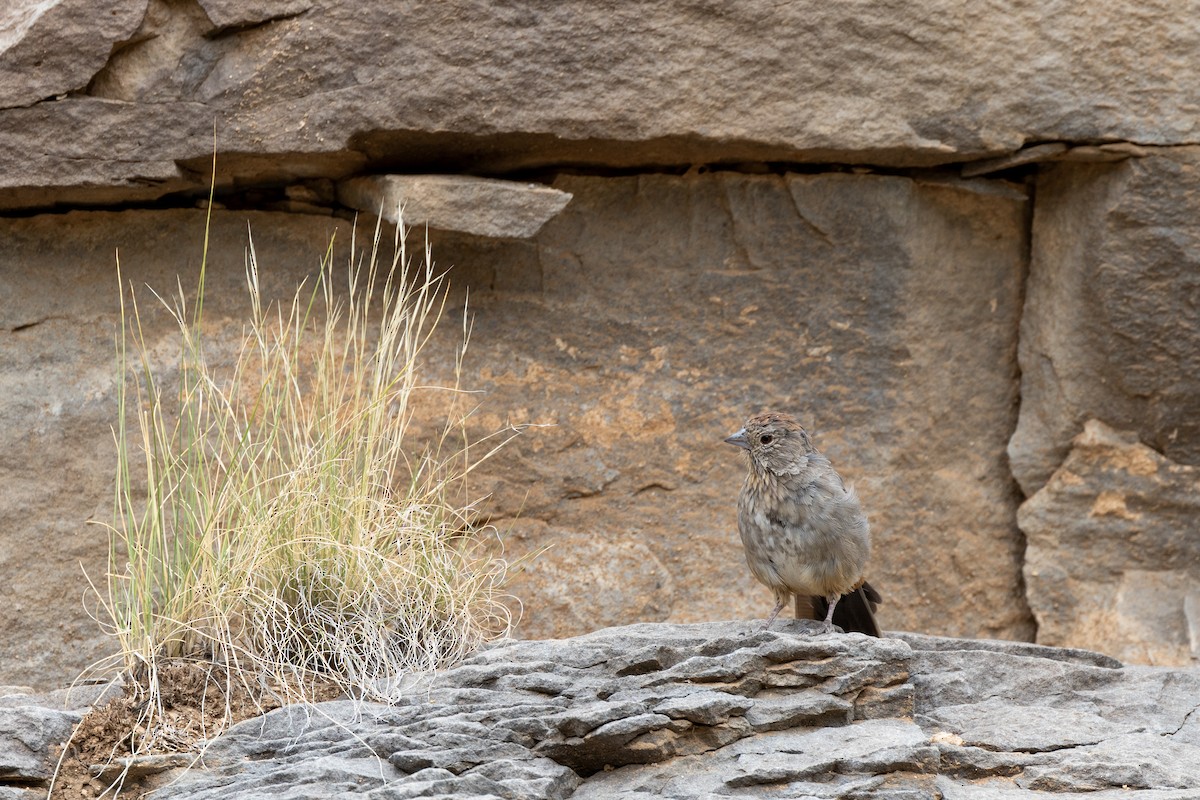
column 854, row 611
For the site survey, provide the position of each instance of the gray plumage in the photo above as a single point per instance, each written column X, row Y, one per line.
column 803, row 529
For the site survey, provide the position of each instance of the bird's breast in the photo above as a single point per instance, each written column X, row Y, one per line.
column 802, row 537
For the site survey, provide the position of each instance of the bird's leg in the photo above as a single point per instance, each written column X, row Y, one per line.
column 781, row 599
column 832, row 600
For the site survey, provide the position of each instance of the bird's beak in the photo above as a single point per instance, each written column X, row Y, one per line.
column 739, row 440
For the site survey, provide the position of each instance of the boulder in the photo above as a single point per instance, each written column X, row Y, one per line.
column 1110, row 329
column 1113, row 560
column 32, row 727
column 26, row 736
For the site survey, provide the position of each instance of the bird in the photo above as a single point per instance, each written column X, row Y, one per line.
column 803, row 530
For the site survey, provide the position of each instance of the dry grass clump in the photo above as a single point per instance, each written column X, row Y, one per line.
column 292, row 537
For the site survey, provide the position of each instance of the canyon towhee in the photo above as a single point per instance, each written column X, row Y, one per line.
column 804, row 532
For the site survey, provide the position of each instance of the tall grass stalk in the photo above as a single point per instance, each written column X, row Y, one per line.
column 291, row 534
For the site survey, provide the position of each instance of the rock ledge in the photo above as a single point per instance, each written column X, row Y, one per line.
column 730, row 710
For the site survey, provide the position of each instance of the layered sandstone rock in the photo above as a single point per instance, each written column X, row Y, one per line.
column 324, row 88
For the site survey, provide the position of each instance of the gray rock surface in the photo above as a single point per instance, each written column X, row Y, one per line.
column 1110, row 329
column 686, row 711
column 1114, row 551
column 26, row 735
column 570, row 718
column 15, row 793
column 995, row 714
column 321, row 88
column 32, row 725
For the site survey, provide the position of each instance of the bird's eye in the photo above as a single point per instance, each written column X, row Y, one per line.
column 766, row 438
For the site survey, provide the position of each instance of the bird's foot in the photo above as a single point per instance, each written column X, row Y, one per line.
column 775, row 612
column 826, row 625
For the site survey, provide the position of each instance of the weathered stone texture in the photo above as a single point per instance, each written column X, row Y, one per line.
column 1011, row 722
column 737, row 254
column 26, row 735
column 51, row 47
column 881, row 310
column 543, row 719
column 317, row 88
column 1111, row 328
column 502, row 209
column 687, row 711
column 226, row 14
column 1113, row 561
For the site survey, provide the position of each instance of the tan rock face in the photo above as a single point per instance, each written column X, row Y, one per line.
column 881, row 310
column 1114, row 551
column 1110, row 329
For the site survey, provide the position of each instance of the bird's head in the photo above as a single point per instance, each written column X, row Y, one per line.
column 776, row 443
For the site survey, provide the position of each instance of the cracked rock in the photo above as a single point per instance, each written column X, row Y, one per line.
column 636, row 712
